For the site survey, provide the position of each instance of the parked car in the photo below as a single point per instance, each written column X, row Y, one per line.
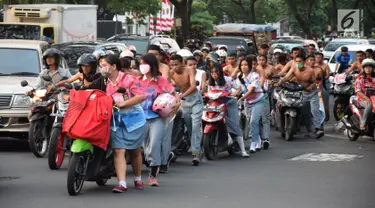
column 19, row 60
column 289, row 38
column 333, row 45
column 142, row 42
column 73, row 50
column 232, row 42
column 352, row 49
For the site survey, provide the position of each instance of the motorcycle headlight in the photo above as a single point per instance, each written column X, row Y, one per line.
column 40, row 93
column 21, row 101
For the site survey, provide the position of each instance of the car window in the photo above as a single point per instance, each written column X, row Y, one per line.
column 353, row 53
column 333, row 46
column 230, row 43
column 18, row 61
column 141, row 45
column 71, row 53
column 372, row 41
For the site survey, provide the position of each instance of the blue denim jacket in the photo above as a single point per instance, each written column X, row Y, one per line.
column 132, row 118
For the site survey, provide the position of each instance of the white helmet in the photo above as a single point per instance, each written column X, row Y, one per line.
column 127, row 53
column 221, row 53
column 223, row 46
column 184, row 53
column 368, row 62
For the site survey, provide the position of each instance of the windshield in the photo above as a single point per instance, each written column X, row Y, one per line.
column 333, row 46
column 288, row 46
column 140, row 45
column 26, row 32
column 19, row 61
column 73, row 52
column 353, row 53
column 230, row 43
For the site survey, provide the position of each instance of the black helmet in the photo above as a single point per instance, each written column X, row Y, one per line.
column 87, row 59
column 52, row 52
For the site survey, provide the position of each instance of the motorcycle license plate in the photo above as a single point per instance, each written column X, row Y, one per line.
column 292, row 94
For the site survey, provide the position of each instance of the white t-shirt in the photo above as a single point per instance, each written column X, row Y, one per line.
column 230, row 84
column 198, row 77
column 257, row 94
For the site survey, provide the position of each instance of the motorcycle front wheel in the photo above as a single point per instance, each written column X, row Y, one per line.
column 291, row 124
column 76, row 173
column 37, row 141
column 210, row 145
column 56, row 149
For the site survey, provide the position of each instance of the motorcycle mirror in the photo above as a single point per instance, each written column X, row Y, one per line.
column 47, row 78
column 24, row 83
column 68, row 85
column 121, row 90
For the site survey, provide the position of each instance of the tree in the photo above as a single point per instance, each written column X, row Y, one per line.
column 200, row 16
column 183, row 10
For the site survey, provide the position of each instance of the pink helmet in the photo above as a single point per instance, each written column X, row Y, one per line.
column 132, row 48
column 164, row 104
column 127, row 53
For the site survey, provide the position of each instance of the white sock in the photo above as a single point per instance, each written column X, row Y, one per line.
column 123, row 184
column 252, row 146
column 137, row 178
column 230, row 140
column 240, row 143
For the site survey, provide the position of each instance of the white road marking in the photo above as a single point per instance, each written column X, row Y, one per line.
column 326, row 157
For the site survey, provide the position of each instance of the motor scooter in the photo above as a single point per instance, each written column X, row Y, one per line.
column 215, row 133
column 342, row 91
column 354, row 114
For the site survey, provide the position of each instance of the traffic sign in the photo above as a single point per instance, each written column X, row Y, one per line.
column 348, row 19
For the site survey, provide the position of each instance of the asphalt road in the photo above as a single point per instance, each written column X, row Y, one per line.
column 298, row 174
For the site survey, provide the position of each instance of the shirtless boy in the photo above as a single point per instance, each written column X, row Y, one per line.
column 291, row 64
column 192, row 102
column 305, row 76
column 360, row 55
column 232, row 66
column 163, row 68
column 200, row 75
column 325, row 84
column 266, row 71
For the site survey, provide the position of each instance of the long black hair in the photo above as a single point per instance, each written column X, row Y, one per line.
column 249, row 60
column 113, row 60
column 151, row 60
column 220, row 80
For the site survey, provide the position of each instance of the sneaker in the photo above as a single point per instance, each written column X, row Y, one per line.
column 196, row 160
column 163, row 169
column 119, row 189
column 244, row 154
column 319, row 134
column 152, row 181
column 266, row 144
column 138, row 185
column 258, row 146
column 170, row 158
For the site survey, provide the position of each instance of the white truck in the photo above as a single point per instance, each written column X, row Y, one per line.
column 55, row 23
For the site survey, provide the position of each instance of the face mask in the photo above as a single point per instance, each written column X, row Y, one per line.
column 105, row 71
column 299, row 66
column 144, row 68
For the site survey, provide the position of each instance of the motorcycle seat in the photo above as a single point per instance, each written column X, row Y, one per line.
column 292, row 87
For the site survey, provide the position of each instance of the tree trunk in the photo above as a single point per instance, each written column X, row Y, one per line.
column 252, row 11
column 183, row 10
column 303, row 22
column 334, row 15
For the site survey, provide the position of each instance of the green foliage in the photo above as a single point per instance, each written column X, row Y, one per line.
column 202, row 18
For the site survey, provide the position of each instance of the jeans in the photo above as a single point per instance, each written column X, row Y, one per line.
column 266, row 118
column 192, row 109
column 154, row 138
column 312, row 98
column 255, row 112
column 166, row 146
column 367, row 112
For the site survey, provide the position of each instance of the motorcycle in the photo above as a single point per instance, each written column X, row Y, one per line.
column 354, row 114
column 288, row 106
column 215, row 133
column 58, row 142
column 40, row 121
column 342, row 91
column 89, row 163
column 180, row 140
